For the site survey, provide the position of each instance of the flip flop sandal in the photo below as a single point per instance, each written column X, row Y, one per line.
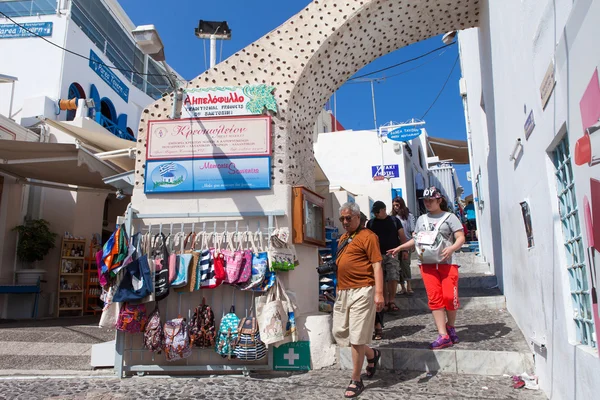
column 393, row 307
column 378, row 335
column 371, row 370
column 358, row 388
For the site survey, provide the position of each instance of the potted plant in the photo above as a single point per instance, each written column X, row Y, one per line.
column 35, row 240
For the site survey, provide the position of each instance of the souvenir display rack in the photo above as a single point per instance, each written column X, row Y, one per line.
column 328, row 282
column 130, row 355
column 70, row 277
column 92, row 285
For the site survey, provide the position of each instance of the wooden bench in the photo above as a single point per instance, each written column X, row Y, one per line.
column 24, row 289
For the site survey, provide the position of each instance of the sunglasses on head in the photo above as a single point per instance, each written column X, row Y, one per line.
column 347, row 218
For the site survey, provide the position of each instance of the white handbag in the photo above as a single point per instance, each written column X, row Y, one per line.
column 430, row 244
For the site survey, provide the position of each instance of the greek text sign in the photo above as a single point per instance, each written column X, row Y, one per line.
column 11, row 31
column 388, row 171
column 206, row 175
column 108, row 76
column 210, row 137
column 404, row 133
column 228, row 101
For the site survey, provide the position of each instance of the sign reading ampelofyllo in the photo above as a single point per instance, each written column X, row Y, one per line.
column 228, row 101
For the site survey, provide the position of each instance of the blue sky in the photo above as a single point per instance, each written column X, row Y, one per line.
column 397, row 98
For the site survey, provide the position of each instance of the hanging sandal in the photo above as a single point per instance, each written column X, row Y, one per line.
column 371, row 370
column 358, row 388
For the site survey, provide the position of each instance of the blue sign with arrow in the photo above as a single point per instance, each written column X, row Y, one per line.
column 404, row 133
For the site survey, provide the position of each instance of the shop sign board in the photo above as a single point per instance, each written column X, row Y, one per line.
column 404, row 133
column 548, row 84
column 228, row 101
column 12, row 31
column 385, row 171
column 108, row 76
column 208, row 175
column 292, row 357
column 529, row 125
column 209, row 138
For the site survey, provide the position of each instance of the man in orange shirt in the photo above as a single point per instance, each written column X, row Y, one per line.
column 358, row 271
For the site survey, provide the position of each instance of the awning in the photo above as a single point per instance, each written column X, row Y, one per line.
column 67, row 164
column 123, row 181
column 448, row 149
column 89, row 132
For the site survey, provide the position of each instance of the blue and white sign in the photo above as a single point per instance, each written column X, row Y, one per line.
column 388, row 171
column 207, row 175
column 11, row 31
column 404, row 133
column 108, row 76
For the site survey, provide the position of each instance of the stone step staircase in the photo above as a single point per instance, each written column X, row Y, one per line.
column 490, row 340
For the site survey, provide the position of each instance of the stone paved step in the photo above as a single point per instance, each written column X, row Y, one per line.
column 314, row 385
column 470, row 299
column 490, row 344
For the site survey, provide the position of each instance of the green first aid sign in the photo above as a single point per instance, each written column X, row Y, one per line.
column 292, row 357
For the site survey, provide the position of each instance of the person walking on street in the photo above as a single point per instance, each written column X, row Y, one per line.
column 390, row 233
column 400, row 211
column 439, row 234
column 359, row 295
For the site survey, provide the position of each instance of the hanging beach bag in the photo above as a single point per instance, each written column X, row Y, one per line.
column 172, row 263
column 177, row 339
column 154, row 339
column 132, row 318
column 430, row 244
column 248, row 345
column 232, row 265
column 270, row 313
column 202, row 326
column 160, row 257
column 227, row 336
column 136, row 283
column 246, row 272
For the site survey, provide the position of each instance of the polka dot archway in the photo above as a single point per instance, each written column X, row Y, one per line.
column 309, row 57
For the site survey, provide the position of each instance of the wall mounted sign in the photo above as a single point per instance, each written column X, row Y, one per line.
column 292, row 357
column 547, row 86
column 11, row 31
column 527, row 221
column 228, row 101
column 109, row 76
column 207, row 175
column 388, row 171
column 209, row 137
column 404, row 133
column 529, row 125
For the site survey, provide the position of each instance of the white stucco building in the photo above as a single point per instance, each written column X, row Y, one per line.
column 530, row 84
column 36, row 77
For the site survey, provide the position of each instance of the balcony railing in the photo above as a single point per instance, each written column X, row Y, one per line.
column 113, row 128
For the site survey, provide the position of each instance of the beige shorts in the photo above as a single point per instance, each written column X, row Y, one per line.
column 354, row 316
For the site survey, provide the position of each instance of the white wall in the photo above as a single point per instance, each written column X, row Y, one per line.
column 515, row 53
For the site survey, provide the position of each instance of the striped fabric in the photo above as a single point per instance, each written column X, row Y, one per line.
column 206, row 268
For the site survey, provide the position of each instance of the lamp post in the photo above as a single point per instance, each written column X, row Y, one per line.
column 213, row 30
column 148, row 40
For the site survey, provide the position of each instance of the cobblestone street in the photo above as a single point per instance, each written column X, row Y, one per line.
column 314, row 385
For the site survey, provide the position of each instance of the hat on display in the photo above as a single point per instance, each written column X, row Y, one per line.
column 377, row 206
column 432, row 193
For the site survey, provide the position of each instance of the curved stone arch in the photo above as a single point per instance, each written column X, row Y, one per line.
column 311, row 55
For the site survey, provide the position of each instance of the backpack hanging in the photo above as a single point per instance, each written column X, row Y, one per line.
column 227, row 336
column 154, row 339
column 202, row 326
column 248, row 346
column 132, row 318
column 177, row 339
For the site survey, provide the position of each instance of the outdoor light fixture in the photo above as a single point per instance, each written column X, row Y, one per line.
column 449, row 37
column 208, row 29
column 213, row 30
column 148, row 40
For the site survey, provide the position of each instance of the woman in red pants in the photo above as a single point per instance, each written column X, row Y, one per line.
column 438, row 234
